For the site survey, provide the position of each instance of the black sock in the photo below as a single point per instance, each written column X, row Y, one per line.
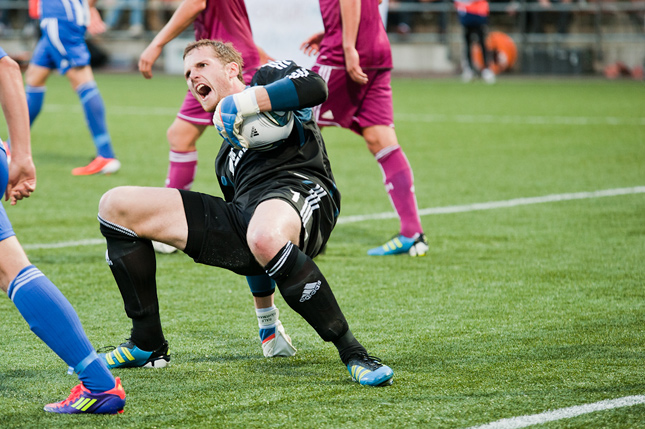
column 306, row 290
column 349, row 346
column 133, row 265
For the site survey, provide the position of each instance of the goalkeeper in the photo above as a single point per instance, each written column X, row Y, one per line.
column 278, row 211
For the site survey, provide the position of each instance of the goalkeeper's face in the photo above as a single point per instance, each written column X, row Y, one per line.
column 208, row 79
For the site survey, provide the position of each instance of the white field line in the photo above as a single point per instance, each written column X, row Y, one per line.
column 521, row 120
column 405, row 117
column 500, row 204
column 89, row 242
column 423, row 212
column 117, row 110
column 563, row 413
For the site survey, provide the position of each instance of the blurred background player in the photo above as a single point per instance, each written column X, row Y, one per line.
column 473, row 17
column 227, row 21
column 49, row 314
column 356, row 61
column 62, row 46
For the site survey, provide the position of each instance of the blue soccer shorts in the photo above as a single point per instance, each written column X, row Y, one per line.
column 61, row 46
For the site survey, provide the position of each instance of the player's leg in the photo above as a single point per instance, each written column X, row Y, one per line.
column 368, row 112
column 467, row 72
column 35, row 89
column 377, row 127
column 43, row 61
column 399, row 184
column 274, row 339
column 182, row 137
column 113, row 14
column 487, row 74
column 129, row 218
column 272, row 232
column 188, row 126
column 40, row 65
column 215, row 238
column 63, row 46
column 468, row 40
column 52, row 318
column 84, row 84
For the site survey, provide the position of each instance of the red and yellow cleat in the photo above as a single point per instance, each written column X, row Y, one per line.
column 82, row 401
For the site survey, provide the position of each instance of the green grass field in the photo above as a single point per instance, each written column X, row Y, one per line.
column 515, row 311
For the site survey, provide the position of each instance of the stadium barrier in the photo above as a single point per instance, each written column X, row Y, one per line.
column 570, row 38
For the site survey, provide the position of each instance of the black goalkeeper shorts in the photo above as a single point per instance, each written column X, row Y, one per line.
column 217, row 229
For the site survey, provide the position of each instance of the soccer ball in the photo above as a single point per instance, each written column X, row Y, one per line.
column 266, row 130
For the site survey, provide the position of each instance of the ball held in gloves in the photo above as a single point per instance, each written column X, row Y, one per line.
column 266, row 130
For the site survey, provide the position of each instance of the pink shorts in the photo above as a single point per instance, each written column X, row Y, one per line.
column 191, row 111
column 355, row 106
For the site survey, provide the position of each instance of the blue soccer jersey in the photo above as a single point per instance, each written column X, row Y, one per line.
column 74, row 11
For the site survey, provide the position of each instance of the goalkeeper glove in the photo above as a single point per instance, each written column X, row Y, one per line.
column 230, row 113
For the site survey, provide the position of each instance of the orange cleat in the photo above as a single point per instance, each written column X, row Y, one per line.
column 98, row 165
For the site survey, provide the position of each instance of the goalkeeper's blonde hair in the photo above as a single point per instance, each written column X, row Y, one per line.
column 224, row 52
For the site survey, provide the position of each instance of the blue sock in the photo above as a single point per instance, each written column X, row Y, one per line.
column 53, row 319
column 35, row 99
column 95, row 116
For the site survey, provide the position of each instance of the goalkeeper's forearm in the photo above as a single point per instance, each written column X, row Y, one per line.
column 288, row 94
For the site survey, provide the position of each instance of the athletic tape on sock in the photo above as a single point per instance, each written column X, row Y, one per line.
column 80, row 367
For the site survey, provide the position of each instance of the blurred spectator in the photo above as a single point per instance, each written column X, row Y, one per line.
column 5, row 21
column 536, row 20
column 136, row 9
column 636, row 14
column 473, row 16
column 160, row 11
column 15, row 16
column 403, row 22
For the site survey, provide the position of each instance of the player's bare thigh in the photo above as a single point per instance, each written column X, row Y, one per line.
column 36, row 75
column 183, row 135
column 77, row 76
column 152, row 213
column 378, row 137
column 12, row 261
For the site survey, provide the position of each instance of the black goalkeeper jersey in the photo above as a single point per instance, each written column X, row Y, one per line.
column 245, row 175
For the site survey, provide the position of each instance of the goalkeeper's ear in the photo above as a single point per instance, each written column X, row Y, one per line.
column 232, row 70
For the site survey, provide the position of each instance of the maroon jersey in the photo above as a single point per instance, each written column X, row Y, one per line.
column 228, row 21
column 372, row 43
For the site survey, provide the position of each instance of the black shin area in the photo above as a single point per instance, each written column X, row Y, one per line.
column 305, row 289
column 349, row 346
column 133, row 265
